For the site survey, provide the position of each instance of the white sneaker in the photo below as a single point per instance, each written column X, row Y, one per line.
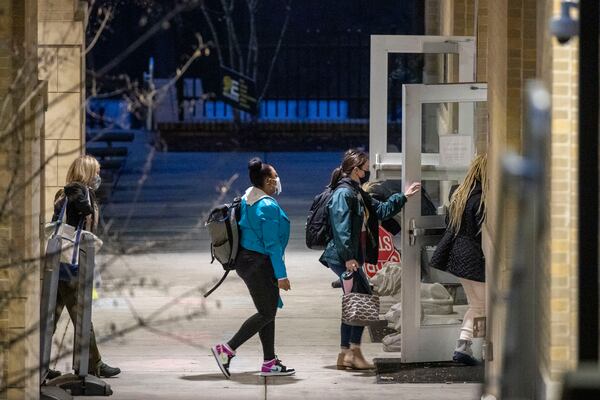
column 275, row 368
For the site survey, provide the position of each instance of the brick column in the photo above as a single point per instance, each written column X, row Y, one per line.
column 559, row 69
column 511, row 60
column 21, row 97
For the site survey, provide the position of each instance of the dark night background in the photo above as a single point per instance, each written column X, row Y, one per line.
column 325, row 51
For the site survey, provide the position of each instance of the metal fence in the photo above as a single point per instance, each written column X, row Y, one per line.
column 316, row 78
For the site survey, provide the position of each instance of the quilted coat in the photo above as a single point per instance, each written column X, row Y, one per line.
column 466, row 259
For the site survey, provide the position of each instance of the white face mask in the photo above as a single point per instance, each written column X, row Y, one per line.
column 97, row 182
column 278, row 188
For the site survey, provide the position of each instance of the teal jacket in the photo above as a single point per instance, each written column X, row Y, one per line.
column 346, row 216
column 265, row 228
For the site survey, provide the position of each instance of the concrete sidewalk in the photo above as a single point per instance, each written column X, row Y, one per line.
column 172, row 360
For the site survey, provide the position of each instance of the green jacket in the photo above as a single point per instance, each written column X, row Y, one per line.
column 346, row 215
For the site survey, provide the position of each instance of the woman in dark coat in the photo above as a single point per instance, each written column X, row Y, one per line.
column 83, row 179
column 465, row 255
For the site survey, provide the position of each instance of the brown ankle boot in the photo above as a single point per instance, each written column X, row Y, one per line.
column 344, row 360
column 359, row 361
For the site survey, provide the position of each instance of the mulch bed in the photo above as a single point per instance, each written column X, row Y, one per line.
column 391, row 370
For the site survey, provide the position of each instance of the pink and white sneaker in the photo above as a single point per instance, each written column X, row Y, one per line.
column 275, row 368
column 223, row 354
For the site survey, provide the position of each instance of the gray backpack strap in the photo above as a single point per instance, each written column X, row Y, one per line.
column 218, row 283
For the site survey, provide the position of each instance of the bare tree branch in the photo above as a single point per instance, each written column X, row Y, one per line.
column 234, row 44
column 213, row 31
column 252, row 61
column 107, row 15
column 24, row 268
column 148, row 34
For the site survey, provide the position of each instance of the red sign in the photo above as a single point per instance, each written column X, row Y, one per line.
column 387, row 252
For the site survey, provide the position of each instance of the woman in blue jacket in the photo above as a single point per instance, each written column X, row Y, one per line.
column 354, row 217
column 265, row 232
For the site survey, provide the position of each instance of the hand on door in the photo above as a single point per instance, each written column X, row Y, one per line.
column 412, row 189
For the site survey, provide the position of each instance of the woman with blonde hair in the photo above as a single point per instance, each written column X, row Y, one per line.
column 83, row 179
column 465, row 256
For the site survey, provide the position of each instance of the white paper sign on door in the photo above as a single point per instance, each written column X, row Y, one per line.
column 456, row 150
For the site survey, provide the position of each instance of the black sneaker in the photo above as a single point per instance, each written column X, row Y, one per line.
column 223, row 356
column 104, row 370
column 275, row 368
column 52, row 373
column 463, row 358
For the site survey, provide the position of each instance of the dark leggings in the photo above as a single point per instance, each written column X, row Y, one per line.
column 349, row 334
column 256, row 271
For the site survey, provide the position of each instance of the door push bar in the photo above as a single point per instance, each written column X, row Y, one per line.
column 414, row 232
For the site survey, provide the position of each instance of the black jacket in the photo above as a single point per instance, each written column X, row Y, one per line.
column 78, row 206
column 466, row 258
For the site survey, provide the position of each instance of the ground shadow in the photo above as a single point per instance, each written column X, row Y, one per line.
column 354, row 372
column 244, row 378
column 282, row 380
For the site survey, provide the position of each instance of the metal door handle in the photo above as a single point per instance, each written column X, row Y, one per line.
column 414, row 232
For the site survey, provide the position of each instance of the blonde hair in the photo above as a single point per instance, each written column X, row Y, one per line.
column 83, row 170
column 477, row 173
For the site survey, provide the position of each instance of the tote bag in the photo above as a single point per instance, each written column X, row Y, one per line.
column 360, row 309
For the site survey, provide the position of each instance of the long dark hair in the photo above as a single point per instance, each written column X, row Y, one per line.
column 353, row 158
column 259, row 172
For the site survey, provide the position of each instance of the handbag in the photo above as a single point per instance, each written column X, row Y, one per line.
column 360, row 309
column 441, row 255
column 70, row 242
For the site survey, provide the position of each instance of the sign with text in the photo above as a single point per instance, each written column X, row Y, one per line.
column 456, row 150
column 238, row 90
column 387, row 253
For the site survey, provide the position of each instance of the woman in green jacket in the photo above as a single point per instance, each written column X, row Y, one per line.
column 354, row 217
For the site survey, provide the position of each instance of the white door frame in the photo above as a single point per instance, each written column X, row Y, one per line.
column 434, row 342
column 386, row 165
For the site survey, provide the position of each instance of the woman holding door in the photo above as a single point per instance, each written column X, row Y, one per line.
column 354, row 217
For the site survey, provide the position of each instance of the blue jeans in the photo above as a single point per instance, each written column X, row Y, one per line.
column 350, row 334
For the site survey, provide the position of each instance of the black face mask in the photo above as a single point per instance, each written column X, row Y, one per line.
column 365, row 178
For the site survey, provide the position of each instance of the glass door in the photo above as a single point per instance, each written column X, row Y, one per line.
column 439, row 133
column 398, row 60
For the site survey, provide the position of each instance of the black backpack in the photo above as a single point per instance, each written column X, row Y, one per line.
column 318, row 228
column 222, row 225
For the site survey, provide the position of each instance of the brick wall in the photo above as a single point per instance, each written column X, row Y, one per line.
column 513, row 47
column 519, row 48
column 20, row 215
column 511, row 59
column 61, row 41
column 22, row 156
column 6, row 68
column 560, row 73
